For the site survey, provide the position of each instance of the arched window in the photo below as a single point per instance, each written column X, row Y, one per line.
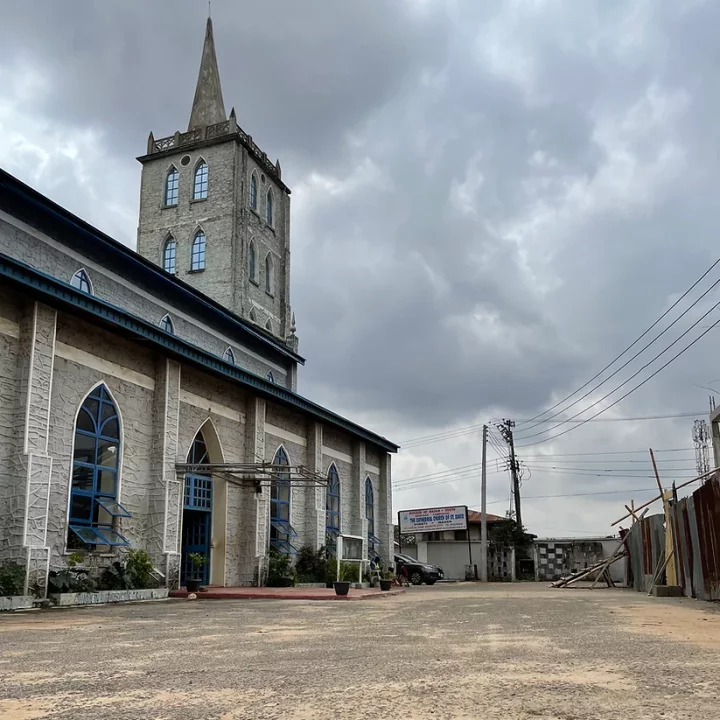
column 169, row 255
column 172, row 185
column 252, row 264
column 253, row 317
column 197, row 255
column 268, row 325
column 269, row 273
column 269, row 207
column 200, row 184
column 332, row 508
column 253, row 191
column 167, row 325
column 281, row 532
column 229, row 356
column 81, row 281
column 270, row 377
column 94, row 486
column 370, row 517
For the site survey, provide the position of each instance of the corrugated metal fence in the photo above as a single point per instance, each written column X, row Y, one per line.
column 696, row 542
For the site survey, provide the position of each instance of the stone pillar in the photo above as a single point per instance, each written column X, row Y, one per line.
column 315, row 496
column 386, row 530
column 33, row 464
column 256, row 453
column 165, row 502
column 359, row 524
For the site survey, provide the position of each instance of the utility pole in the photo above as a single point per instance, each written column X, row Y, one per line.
column 505, row 429
column 483, row 511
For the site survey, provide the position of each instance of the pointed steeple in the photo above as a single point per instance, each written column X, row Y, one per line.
column 208, row 107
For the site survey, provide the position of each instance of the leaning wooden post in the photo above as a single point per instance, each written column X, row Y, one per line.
column 670, row 570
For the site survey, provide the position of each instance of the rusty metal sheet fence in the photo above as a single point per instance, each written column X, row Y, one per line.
column 696, row 543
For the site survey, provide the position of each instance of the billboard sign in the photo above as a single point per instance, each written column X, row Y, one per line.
column 433, row 519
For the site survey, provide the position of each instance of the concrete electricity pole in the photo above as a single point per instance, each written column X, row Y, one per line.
column 483, row 511
column 505, row 429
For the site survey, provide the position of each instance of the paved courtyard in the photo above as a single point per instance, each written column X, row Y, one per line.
column 501, row 651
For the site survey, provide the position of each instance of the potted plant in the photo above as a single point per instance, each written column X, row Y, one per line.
column 197, row 562
column 347, row 573
column 386, row 580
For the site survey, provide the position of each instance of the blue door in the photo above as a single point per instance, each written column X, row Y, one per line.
column 197, row 525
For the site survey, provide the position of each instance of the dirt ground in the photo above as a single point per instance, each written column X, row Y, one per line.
column 459, row 651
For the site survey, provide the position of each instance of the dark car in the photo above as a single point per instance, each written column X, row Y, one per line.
column 419, row 572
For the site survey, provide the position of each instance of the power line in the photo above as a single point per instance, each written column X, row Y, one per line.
column 627, row 362
column 632, row 390
column 635, row 342
column 607, row 452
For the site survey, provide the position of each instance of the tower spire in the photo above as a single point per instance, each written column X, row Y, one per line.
column 208, row 107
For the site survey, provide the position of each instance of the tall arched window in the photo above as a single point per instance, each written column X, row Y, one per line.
column 172, row 185
column 332, row 508
column 94, row 486
column 200, row 184
column 269, row 207
column 229, row 356
column 269, row 273
column 169, row 255
column 252, row 262
column 167, row 325
column 370, row 517
column 197, row 255
column 253, row 191
column 270, row 376
column 81, row 281
column 281, row 532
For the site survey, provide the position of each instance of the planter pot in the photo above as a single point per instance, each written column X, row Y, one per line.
column 193, row 585
column 341, row 588
column 385, row 584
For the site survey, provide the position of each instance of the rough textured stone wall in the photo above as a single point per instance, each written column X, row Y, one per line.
column 11, row 310
column 215, row 215
column 61, row 262
column 338, row 440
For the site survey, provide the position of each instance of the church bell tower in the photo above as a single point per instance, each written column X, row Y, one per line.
column 215, row 212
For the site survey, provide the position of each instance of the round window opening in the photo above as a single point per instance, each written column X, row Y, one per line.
column 262, row 178
column 185, row 160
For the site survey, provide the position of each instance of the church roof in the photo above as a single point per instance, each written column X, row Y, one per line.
column 208, row 106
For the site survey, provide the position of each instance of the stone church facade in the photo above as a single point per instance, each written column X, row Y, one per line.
column 149, row 399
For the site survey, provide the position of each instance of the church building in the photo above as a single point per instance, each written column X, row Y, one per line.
column 149, row 399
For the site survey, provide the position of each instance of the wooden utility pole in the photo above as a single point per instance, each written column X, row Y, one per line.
column 671, row 567
column 506, row 431
column 483, row 511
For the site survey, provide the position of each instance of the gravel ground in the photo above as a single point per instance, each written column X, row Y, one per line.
column 463, row 651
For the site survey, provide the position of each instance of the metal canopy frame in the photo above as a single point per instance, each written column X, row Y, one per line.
column 256, row 475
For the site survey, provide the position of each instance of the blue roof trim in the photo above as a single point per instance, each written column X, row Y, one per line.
column 54, row 291
column 30, row 206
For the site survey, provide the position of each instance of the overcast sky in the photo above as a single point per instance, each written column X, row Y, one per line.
column 490, row 201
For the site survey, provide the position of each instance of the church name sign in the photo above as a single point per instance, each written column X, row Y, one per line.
column 433, row 519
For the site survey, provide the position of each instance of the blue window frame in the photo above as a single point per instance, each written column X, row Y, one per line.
column 269, row 207
column 200, row 185
column 281, row 531
column 332, row 508
column 252, row 264
column 253, row 191
column 96, row 454
column 197, row 512
column 197, row 257
column 169, row 255
column 271, row 377
column 172, row 185
column 167, row 325
column 373, row 542
column 81, row 281
column 229, row 356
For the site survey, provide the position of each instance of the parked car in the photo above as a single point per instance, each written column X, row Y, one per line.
column 419, row 572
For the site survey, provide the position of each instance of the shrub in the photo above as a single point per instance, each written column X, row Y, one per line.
column 280, row 570
column 72, row 579
column 311, row 566
column 12, row 579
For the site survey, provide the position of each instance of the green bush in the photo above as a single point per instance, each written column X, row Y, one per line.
column 311, row 566
column 280, row 570
column 72, row 579
column 133, row 572
column 12, row 579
